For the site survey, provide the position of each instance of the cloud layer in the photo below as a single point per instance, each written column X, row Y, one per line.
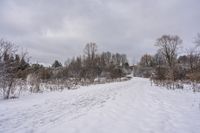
column 59, row 29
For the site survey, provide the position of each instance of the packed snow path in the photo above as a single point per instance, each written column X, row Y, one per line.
column 127, row 107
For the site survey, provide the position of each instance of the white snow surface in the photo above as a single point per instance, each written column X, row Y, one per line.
column 126, row 107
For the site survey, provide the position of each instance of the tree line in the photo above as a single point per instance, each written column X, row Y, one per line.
column 168, row 64
column 90, row 66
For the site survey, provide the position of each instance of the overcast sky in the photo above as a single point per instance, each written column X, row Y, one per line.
column 59, row 29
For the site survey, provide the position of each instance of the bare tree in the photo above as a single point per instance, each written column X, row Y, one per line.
column 194, row 55
column 168, row 46
column 106, row 56
column 124, row 59
column 192, row 59
column 90, row 62
column 90, row 51
column 146, row 61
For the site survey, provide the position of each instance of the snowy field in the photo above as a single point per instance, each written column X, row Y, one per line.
column 127, row 107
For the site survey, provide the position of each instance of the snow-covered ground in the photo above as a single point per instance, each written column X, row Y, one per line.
column 127, row 107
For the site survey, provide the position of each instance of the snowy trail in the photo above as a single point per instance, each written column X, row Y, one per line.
column 127, row 107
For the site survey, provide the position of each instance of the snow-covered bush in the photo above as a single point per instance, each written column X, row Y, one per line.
column 10, row 66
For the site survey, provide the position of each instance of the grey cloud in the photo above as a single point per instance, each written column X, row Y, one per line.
column 58, row 29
